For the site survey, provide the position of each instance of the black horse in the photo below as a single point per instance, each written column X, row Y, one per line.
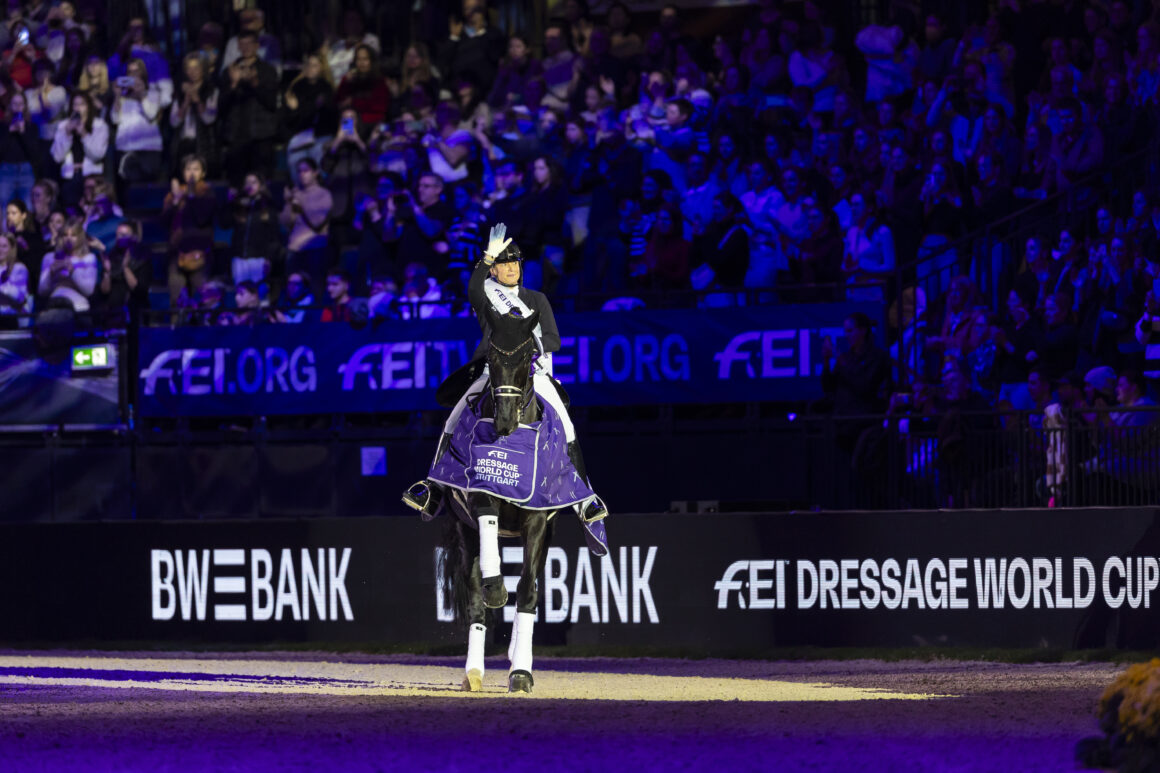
column 509, row 400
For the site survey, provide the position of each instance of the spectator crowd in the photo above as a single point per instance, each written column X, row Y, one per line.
column 800, row 151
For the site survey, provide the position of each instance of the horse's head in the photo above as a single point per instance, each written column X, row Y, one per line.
column 509, row 361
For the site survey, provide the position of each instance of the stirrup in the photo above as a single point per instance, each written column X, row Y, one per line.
column 420, row 497
column 592, row 517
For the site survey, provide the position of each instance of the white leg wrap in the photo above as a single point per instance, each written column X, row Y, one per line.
column 489, row 545
column 515, row 638
column 525, row 623
column 475, row 636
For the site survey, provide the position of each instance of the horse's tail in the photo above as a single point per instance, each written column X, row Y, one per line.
column 458, row 565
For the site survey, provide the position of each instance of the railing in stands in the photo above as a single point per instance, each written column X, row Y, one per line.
column 993, row 459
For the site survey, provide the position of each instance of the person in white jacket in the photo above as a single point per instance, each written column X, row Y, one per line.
column 136, row 110
column 70, row 272
column 79, row 147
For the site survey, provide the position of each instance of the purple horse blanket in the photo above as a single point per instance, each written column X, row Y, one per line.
column 530, row 467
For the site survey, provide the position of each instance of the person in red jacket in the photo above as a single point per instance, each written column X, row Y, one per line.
column 364, row 89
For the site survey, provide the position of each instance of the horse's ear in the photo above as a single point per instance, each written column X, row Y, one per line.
column 533, row 319
column 492, row 319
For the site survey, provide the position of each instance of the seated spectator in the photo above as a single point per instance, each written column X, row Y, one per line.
column 858, row 379
column 868, row 250
column 136, row 112
column 544, row 242
column 891, row 58
column 1148, row 336
column 306, row 216
column 666, row 259
column 43, row 201
column 76, row 53
column 247, row 307
column 79, row 147
column 340, row 54
column 69, row 273
column 255, row 241
column 29, row 240
column 416, row 72
column 1020, row 335
column 821, row 250
column 473, row 50
column 761, row 200
column 1130, row 392
column 449, row 149
column 338, row 291
column 721, row 252
column 516, row 70
column 249, row 103
column 45, row 104
column 960, row 319
column 95, row 82
column 294, row 304
column 1060, row 346
column 1077, row 150
column 193, row 115
column 19, row 151
column 421, row 296
column 15, row 299
column 253, row 20
column 188, row 213
column 312, row 114
column 557, row 65
column 205, row 307
column 127, row 273
column 364, row 89
column 102, row 216
column 137, row 44
column 624, row 44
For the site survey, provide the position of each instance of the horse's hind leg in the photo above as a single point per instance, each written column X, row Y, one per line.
column 495, row 595
column 535, row 539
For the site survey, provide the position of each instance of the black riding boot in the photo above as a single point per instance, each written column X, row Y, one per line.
column 595, row 509
column 426, row 496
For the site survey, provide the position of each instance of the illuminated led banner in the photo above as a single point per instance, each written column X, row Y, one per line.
column 717, row 583
column 759, row 353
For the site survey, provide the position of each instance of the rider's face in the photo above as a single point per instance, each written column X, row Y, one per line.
column 506, row 273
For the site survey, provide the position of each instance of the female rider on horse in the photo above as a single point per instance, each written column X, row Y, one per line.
column 496, row 282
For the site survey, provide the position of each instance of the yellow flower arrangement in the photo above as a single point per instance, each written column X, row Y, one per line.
column 1129, row 715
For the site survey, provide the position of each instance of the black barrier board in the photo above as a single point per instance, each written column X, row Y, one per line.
column 716, row 583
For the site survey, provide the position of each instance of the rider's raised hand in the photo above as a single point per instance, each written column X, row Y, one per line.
column 496, row 243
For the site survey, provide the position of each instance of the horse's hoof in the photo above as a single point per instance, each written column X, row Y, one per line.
column 473, row 681
column 495, row 595
column 520, row 681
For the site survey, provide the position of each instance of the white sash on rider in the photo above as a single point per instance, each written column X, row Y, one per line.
column 503, row 300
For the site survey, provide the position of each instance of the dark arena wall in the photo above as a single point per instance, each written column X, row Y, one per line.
column 718, row 584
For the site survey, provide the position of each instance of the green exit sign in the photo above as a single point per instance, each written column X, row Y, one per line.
column 95, row 357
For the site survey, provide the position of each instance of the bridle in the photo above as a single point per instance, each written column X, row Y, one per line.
column 506, row 391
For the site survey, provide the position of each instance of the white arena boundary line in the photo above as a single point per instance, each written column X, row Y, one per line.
column 279, row 677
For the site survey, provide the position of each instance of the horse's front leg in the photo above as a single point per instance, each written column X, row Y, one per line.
column 535, row 540
column 486, row 512
column 476, row 611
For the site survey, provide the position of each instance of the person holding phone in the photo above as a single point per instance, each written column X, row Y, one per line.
column 79, row 147
column 136, row 112
column 347, row 168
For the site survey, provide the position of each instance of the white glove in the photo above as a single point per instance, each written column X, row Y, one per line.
column 496, row 243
